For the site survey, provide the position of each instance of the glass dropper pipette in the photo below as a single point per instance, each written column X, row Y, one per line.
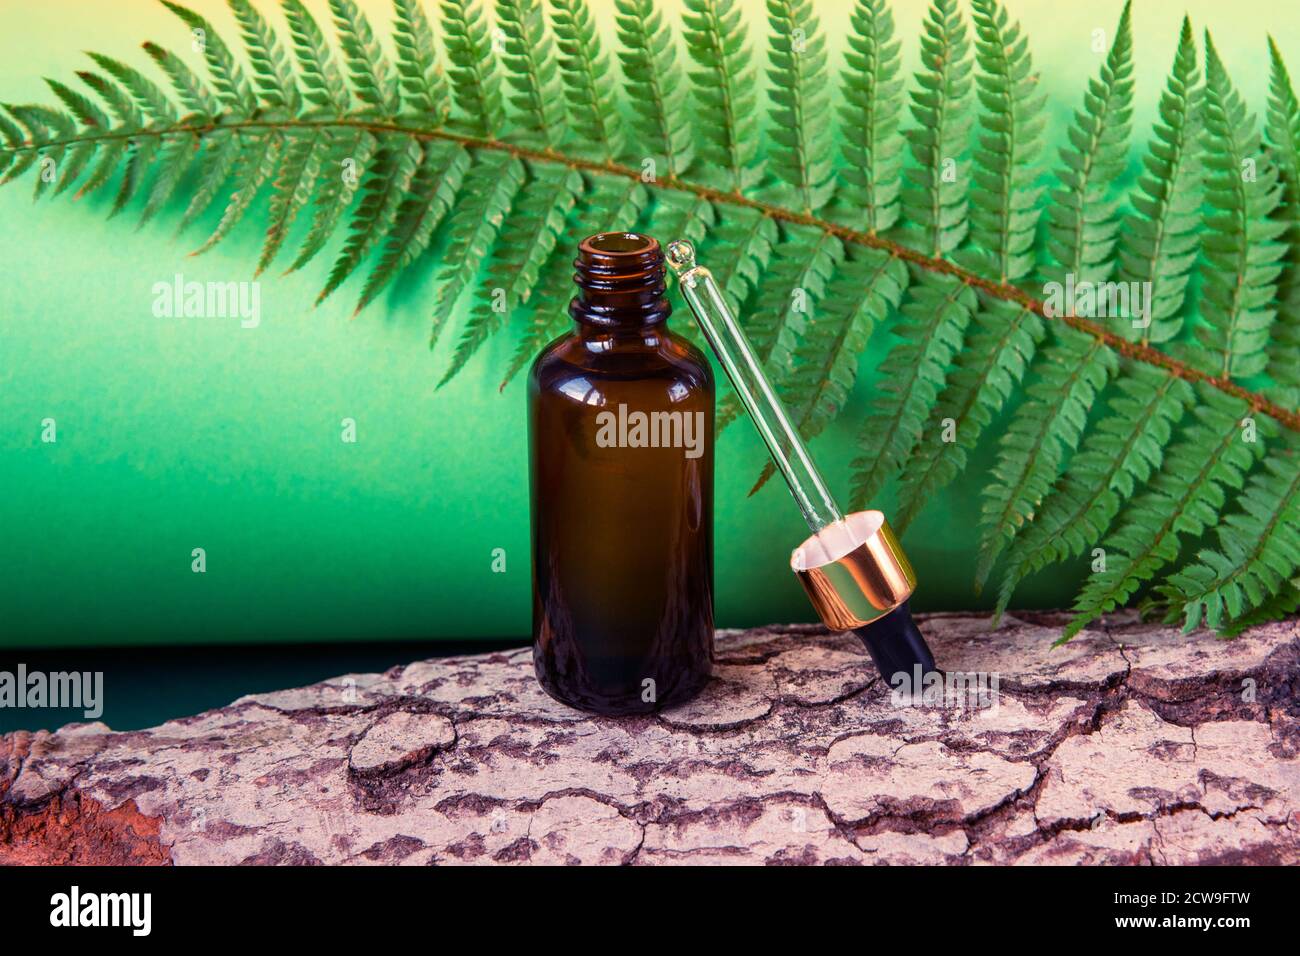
column 848, row 558
column 765, row 408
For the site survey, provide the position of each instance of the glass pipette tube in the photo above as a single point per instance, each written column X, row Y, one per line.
column 765, row 408
column 892, row 638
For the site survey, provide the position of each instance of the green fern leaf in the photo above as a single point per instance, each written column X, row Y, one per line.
column 271, row 73
column 990, row 366
column 294, row 184
column 1210, row 460
column 1241, row 258
column 227, row 76
column 190, row 90
column 1118, row 455
column 934, row 199
column 1283, row 131
column 587, row 79
column 255, row 166
column 153, row 102
column 340, row 173
column 1280, row 606
column 800, row 94
column 1158, row 244
column 119, row 102
column 526, row 243
column 322, row 81
column 739, row 253
column 1082, row 222
column 175, row 159
column 724, row 89
column 794, row 282
column 423, row 89
column 224, row 147
column 867, row 286
column 475, row 86
column 1260, row 550
column 372, row 77
column 387, row 182
column 873, row 103
column 1004, row 210
column 528, row 54
column 606, row 206
column 1071, row 372
column 82, row 107
column 433, row 190
column 490, row 190
column 650, row 77
column 934, row 317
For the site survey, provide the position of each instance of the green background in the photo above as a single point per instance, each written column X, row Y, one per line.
column 182, row 433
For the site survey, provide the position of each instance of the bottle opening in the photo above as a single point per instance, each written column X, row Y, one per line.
column 620, row 243
column 621, row 281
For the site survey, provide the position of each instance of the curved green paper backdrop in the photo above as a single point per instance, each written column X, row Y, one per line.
column 175, row 434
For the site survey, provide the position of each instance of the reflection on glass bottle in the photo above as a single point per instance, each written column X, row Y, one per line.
column 620, row 415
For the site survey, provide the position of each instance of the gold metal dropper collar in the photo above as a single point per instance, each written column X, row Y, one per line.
column 854, row 570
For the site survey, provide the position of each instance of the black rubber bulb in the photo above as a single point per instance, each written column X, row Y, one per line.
column 896, row 645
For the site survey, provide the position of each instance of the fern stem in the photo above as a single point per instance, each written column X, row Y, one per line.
column 1133, row 350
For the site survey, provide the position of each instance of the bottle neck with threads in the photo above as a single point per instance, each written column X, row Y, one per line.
column 621, row 284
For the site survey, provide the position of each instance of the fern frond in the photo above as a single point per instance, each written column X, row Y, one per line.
column 529, row 57
column 387, row 182
column 153, row 102
column 424, row 91
column 433, row 190
column 1071, row 372
column 475, row 86
column 227, row 76
column 935, row 314
column 294, row 183
column 1158, row 244
column 935, row 199
column 587, row 79
column 322, row 81
column 271, row 72
column 990, row 365
column 1260, row 550
column 1241, row 258
column 724, row 89
column 190, row 90
column 788, row 293
column 744, row 242
column 1082, row 221
column 256, row 162
column 526, row 243
column 368, row 68
column 1209, row 461
column 605, row 206
column 800, row 95
column 1283, row 131
column 1276, row 608
column 863, row 291
column 1118, row 454
column 873, row 103
column 649, row 70
column 340, row 175
column 175, row 159
column 1004, row 211
column 223, row 149
column 490, row 190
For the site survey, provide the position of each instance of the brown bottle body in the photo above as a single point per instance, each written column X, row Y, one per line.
column 622, row 531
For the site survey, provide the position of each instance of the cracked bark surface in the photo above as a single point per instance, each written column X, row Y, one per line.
column 1133, row 744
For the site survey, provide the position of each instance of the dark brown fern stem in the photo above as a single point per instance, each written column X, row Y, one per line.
column 1134, row 350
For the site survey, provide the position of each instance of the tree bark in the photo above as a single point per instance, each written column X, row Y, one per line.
column 1132, row 744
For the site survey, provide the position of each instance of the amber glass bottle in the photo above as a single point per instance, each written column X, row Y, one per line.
column 620, row 429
